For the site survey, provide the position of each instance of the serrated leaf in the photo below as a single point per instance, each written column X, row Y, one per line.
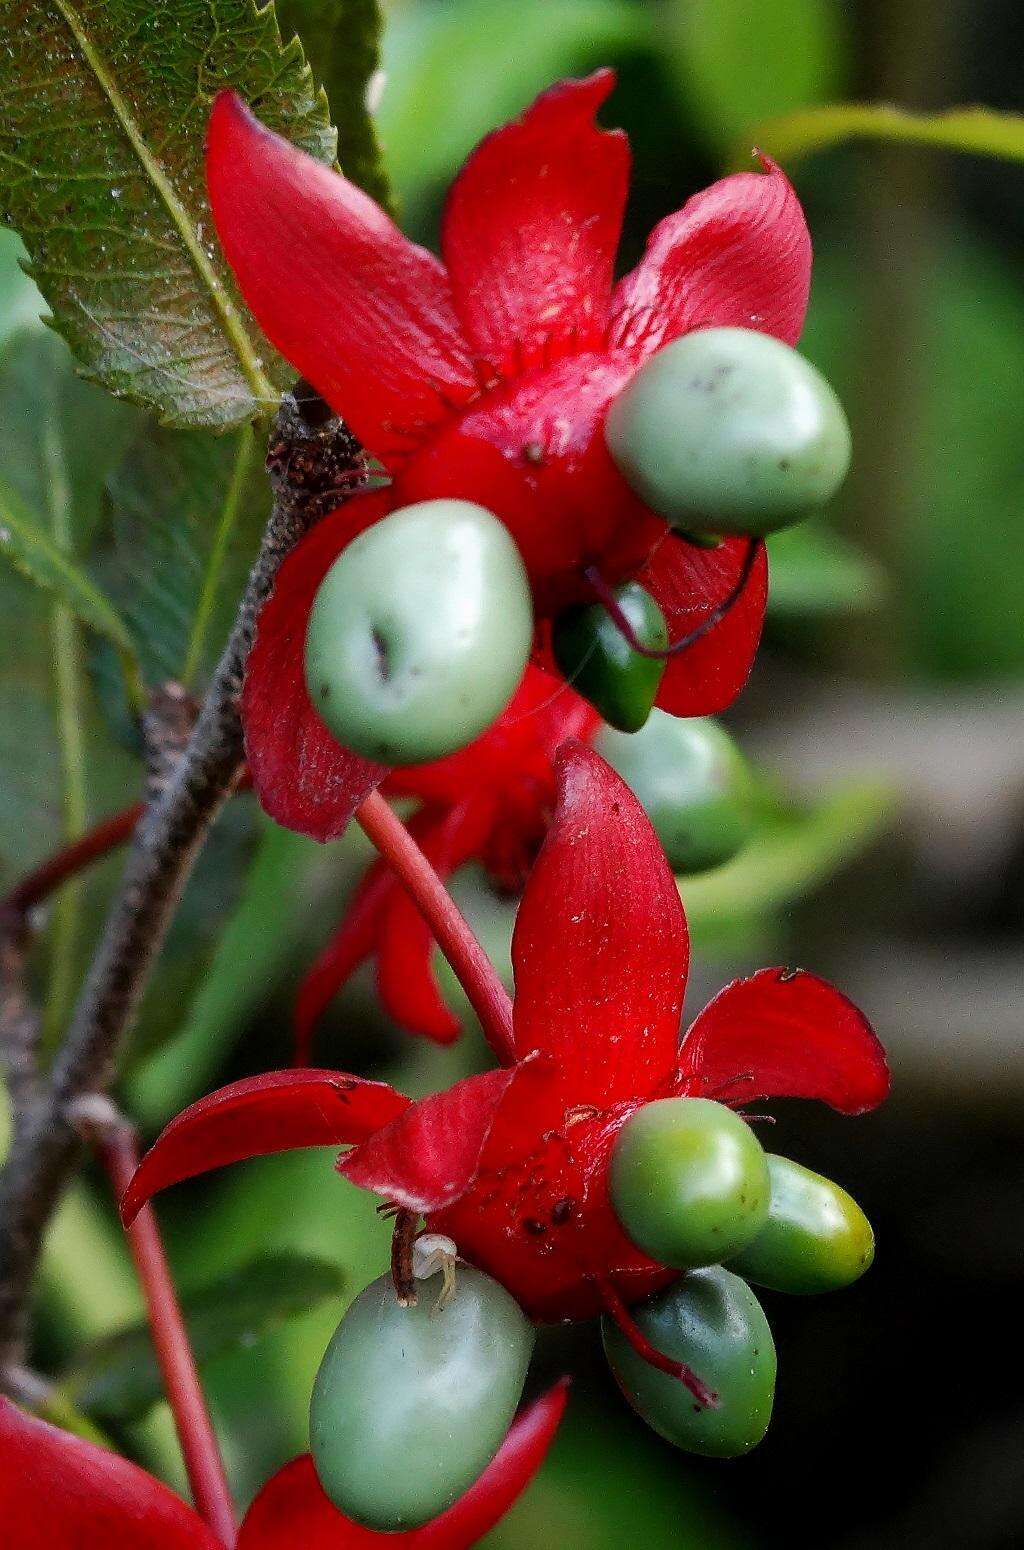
column 341, row 39
column 117, row 1379
column 101, row 172
column 21, row 305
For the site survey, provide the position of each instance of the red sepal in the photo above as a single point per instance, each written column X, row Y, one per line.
column 600, row 949
column 357, row 308
column 690, row 583
column 292, row 1509
column 58, row 1492
column 784, row 1034
column 429, row 1156
column 531, row 227
column 737, row 254
column 276, row 1112
column 303, row 776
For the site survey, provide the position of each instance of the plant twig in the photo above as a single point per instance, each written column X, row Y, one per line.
column 312, row 468
column 98, row 1121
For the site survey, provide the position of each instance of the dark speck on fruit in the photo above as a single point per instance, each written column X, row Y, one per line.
column 535, row 1228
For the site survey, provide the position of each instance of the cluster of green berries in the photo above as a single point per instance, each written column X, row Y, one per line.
column 422, row 629
column 692, row 1187
column 412, row 1402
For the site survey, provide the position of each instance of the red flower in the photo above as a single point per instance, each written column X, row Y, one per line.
column 58, row 1492
column 488, row 377
column 513, row 1164
column 491, row 802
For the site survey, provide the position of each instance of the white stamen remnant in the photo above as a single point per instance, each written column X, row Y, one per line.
column 433, row 1252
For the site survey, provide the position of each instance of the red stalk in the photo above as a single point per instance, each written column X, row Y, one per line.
column 649, row 1353
column 119, row 1153
column 487, row 995
column 74, row 858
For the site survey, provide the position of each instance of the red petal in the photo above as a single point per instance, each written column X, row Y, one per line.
column 60, row 1493
column 690, row 583
column 275, row 1112
column 427, row 1157
column 519, row 747
column 600, row 946
column 737, row 254
column 787, row 1035
column 531, row 227
column 352, row 943
column 292, row 1509
column 304, row 778
column 359, row 310
column 405, row 975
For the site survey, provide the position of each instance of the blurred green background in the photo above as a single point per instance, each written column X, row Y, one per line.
column 886, row 708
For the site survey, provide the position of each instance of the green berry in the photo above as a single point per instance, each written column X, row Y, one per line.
column 599, row 662
column 694, row 784
column 411, row 1404
column 688, row 1182
column 731, row 431
column 712, row 1321
column 419, row 633
column 816, row 1238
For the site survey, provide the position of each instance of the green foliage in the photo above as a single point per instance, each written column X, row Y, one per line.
column 341, row 39
column 117, row 1378
column 977, row 131
column 187, row 511
column 452, row 67
column 793, row 851
column 816, row 572
column 58, row 438
column 737, row 63
column 101, row 172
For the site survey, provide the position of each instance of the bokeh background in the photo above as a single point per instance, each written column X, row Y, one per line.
column 885, row 713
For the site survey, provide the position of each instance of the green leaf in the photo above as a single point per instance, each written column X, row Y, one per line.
column 341, row 39
column 186, row 514
column 975, row 130
column 21, row 305
column 452, row 73
column 736, row 64
column 117, row 1379
column 101, row 172
column 265, row 938
column 814, row 572
column 793, row 852
column 36, row 555
column 58, row 439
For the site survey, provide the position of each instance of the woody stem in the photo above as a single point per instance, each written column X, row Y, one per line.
column 487, row 995
column 117, row 1147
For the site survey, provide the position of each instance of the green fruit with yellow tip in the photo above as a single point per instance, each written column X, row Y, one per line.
column 816, row 1237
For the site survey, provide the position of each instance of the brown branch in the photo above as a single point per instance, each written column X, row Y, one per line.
column 312, row 468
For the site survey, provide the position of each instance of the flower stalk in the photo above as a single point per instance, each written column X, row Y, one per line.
column 98, row 1121
column 487, row 995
